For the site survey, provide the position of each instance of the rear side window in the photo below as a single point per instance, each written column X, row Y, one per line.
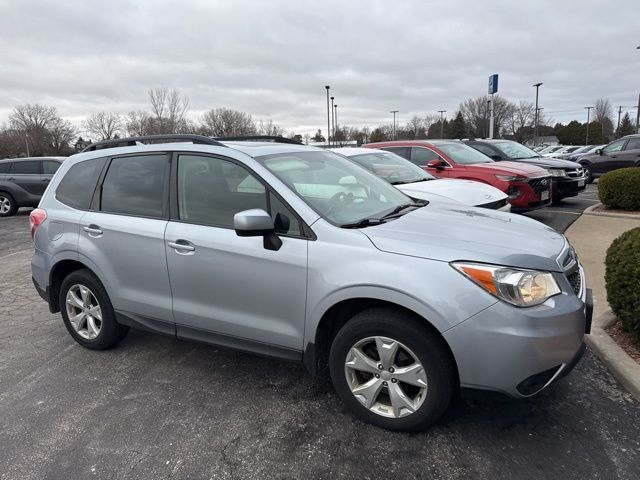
column 49, row 167
column 404, row 152
column 422, row 156
column 136, row 186
column 488, row 151
column 5, row 167
column 633, row 144
column 26, row 168
column 77, row 186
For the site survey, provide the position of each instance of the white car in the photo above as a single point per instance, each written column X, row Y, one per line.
column 417, row 183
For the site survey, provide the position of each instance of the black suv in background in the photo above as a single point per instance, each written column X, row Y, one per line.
column 24, row 180
column 621, row 153
column 568, row 178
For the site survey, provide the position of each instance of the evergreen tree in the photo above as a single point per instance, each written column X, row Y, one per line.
column 458, row 127
column 626, row 127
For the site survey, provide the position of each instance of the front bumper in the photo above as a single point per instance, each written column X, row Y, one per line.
column 521, row 351
column 533, row 194
column 568, row 187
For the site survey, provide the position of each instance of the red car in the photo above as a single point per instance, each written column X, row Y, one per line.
column 528, row 186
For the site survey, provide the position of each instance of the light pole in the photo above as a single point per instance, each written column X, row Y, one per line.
column 26, row 142
column 335, row 128
column 586, row 142
column 535, row 138
column 328, row 126
column 638, row 111
column 394, row 123
column 441, row 112
column 333, row 122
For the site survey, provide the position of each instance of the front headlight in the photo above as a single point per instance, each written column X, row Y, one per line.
column 523, row 288
column 557, row 172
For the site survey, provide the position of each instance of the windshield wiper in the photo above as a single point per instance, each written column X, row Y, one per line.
column 399, row 208
column 365, row 222
column 420, row 180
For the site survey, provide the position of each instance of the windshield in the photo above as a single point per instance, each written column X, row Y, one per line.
column 391, row 167
column 514, row 150
column 463, row 154
column 337, row 189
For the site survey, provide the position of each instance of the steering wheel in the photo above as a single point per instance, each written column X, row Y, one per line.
column 339, row 200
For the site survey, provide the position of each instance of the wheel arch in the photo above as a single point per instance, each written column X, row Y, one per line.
column 58, row 273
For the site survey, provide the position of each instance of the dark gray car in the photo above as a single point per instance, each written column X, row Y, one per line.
column 621, row 153
column 24, row 180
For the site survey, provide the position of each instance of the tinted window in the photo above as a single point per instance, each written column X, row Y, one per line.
column 422, row 156
column 4, row 167
column 634, row 144
column 393, row 168
column 614, row 147
column 77, row 186
column 484, row 149
column 284, row 220
column 211, row 191
column 26, row 168
column 49, row 167
column 135, row 186
column 404, row 152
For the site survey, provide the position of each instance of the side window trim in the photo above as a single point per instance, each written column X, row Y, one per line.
column 96, row 201
column 448, row 165
column 95, row 187
column 174, row 212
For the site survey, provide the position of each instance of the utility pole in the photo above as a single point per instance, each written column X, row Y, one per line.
column 491, row 118
column 394, row 123
column 620, row 107
column 638, row 116
column 328, row 121
column 335, row 128
column 586, row 142
column 441, row 112
column 535, row 138
column 26, row 142
column 332, row 134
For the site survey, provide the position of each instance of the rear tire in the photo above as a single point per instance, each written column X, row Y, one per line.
column 8, row 205
column 407, row 387
column 87, row 311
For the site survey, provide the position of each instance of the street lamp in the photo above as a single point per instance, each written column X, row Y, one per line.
column 586, row 142
column 333, row 122
column 535, row 138
column 328, row 126
column 335, row 128
column 441, row 112
column 394, row 123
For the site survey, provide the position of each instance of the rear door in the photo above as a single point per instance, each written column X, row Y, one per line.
column 630, row 155
column 27, row 176
column 228, row 289
column 122, row 237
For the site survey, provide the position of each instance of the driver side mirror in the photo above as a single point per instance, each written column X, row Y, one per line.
column 257, row 223
column 437, row 164
column 599, row 151
column 496, row 158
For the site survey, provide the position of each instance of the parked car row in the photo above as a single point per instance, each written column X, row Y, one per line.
column 301, row 253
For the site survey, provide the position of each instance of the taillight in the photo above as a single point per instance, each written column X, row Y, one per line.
column 35, row 220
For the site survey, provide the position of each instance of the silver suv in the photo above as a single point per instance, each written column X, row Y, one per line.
column 297, row 253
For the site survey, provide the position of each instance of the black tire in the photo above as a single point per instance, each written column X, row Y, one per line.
column 111, row 332
column 13, row 206
column 587, row 171
column 421, row 340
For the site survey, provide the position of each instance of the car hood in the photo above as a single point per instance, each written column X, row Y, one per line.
column 466, row 192
column 548, row 162
column 471, row 234
column 509, row 168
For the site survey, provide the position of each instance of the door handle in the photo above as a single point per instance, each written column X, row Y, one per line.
column 93, row 230
column 11, row 178
column 181, row 246
column 45, row 180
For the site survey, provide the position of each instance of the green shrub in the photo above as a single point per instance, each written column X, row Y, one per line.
column 622, row 279
column 620, row 189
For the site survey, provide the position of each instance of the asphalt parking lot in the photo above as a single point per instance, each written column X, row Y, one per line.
column 155, row 407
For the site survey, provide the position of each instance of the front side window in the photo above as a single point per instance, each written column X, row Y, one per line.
column 391, row 167
column 212, row 190
column 135, row 186
column 5, row 167
column 334, row 187
column 488, row 151
column 515, row 150
column 26, row 168
column 614, row 147
column 463, row 154
column 49, row 167
column 422, row 156
column 77, row 186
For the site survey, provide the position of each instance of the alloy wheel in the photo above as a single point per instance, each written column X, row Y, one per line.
column 386, row 377
column 84, row 312
column 5, row 205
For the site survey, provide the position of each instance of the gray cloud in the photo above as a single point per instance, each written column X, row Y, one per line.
column 272, row 59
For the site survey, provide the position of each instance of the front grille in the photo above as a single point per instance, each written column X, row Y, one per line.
column 574, row 172
column 541, row 184
column 494, row 205
column 575, row 281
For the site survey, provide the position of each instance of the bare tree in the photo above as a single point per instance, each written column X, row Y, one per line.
column 476, row 115
column 602, row 114
column 415, row 127
column 62, row 133
column 41, row 128
column 269, row 127
column 225, row 122
column 104, row 125
column 521, row 124
column 169, row 110
column 138, row 123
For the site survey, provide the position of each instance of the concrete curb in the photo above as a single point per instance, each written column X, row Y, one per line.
column 591, row 211
column 624, row 368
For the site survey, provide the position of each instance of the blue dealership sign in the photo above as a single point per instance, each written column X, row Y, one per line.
column 493, row 84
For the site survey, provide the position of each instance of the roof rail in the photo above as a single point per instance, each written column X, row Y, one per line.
column 149, row 139
column 259, row 138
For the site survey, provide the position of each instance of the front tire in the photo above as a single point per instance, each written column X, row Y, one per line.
column 8, row 205
column 391, row 370
column 587, row 172
column 87, row 311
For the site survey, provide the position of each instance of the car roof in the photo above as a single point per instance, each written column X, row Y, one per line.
column 350, row 152
column 258, row 149
column 405, row 143
column 23, row 159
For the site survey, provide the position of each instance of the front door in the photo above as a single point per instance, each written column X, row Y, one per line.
column 611, row 158
column 27, row 175
column 229, row 289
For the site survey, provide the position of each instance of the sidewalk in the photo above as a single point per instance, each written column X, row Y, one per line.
column 591, row 236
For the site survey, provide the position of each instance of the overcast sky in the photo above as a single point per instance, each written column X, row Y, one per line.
column 272, row 58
